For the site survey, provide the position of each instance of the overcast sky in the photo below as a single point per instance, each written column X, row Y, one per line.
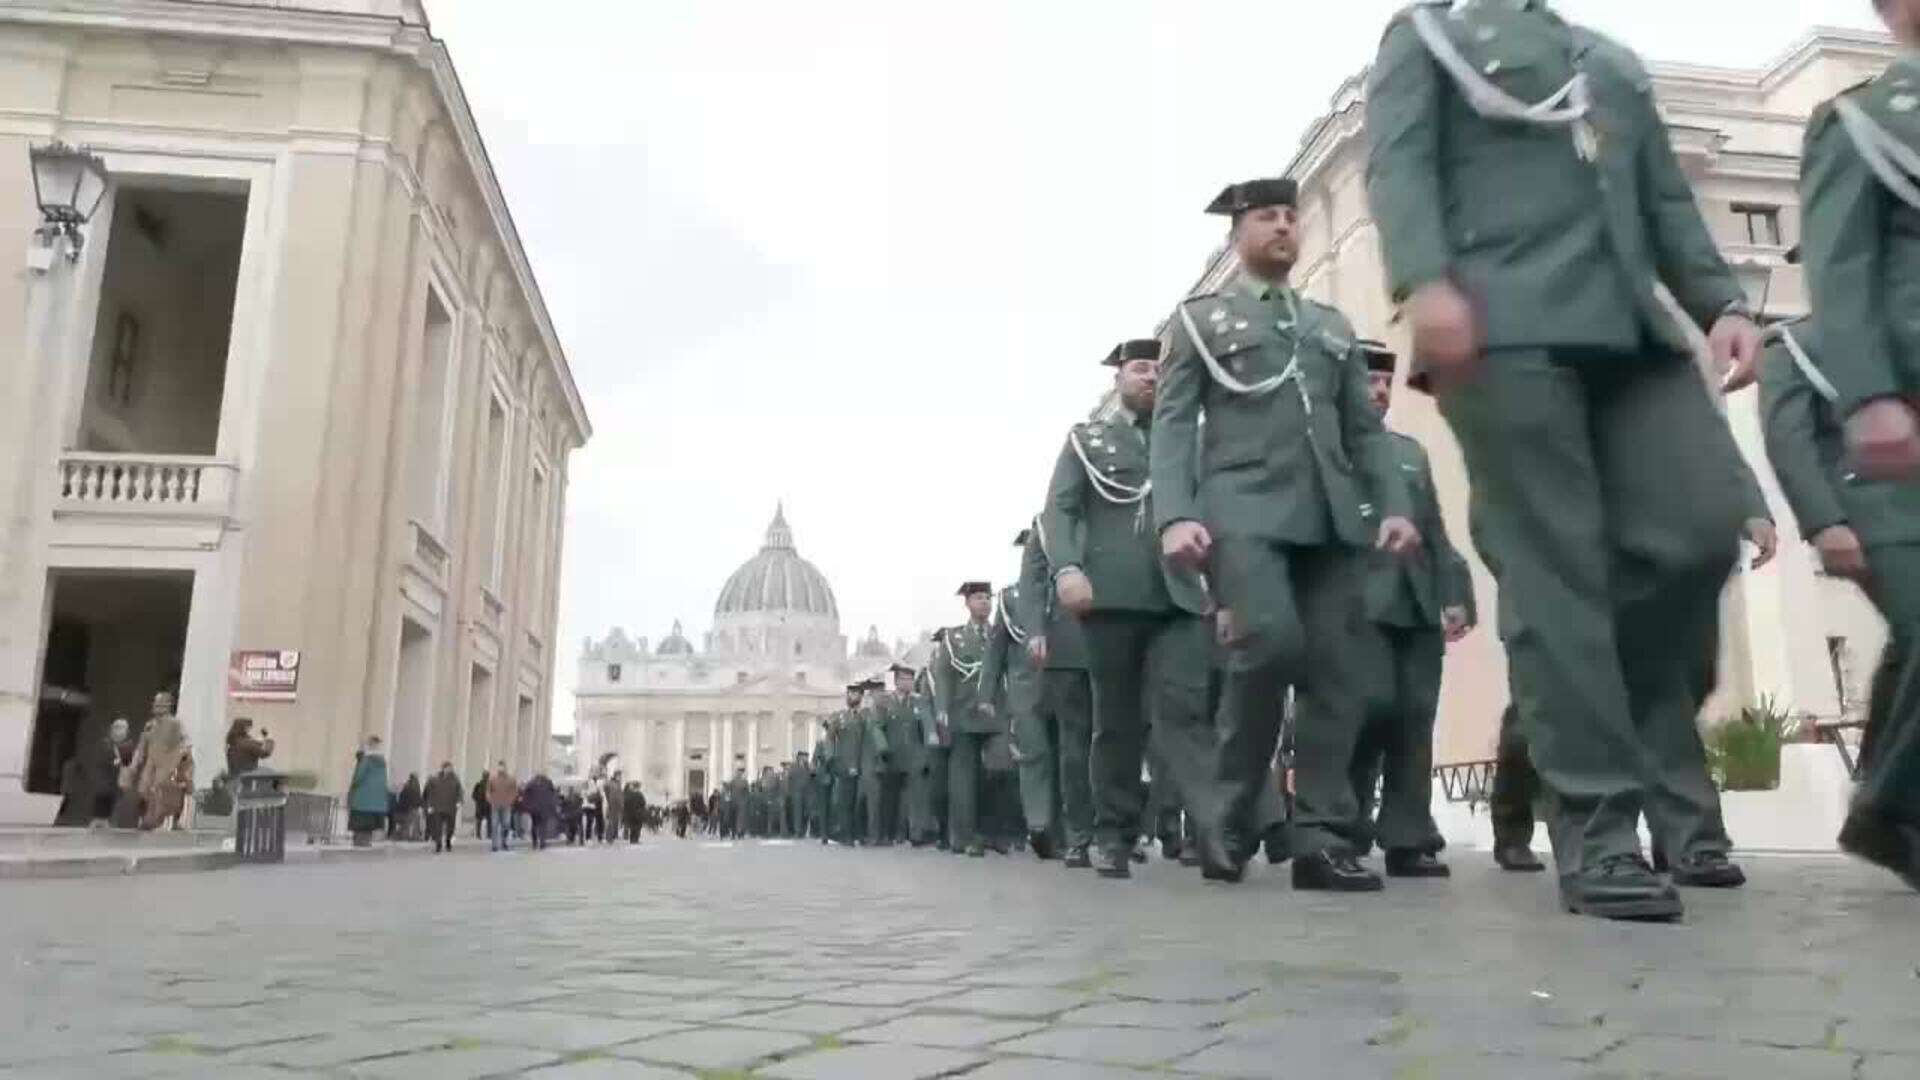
column 864, row 255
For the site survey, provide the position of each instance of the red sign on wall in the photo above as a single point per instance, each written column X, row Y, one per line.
column 264, row 675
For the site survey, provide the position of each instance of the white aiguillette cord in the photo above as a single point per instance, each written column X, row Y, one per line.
column 1894, row 162
column 1568, row 105
column 1000, row 612
column 1814, row 376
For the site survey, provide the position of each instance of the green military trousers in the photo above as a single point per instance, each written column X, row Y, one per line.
column 1054, row 741
column 1145, row 666
column 927, row 796
column 982, row 796
column 1601, row 502
column 1399, row 670
column 1889, row 788
column 1296, row 611
column 1515, row 786
column 841, row 827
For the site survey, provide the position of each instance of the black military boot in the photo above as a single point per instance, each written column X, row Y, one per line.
column 1079, row 857
column 1621, row 887
column 1708, row 870
column 1279, row 844
column 1041, row 841
column 1116, row 861
column 1412, row 862
column 1883, row 842
column 1333, row 871
column 1518, row 858
column 1220, row 856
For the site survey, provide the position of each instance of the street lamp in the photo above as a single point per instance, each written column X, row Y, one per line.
column 68, row 183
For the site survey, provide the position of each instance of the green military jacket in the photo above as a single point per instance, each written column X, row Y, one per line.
column 905, row 742
column 1561, row 252
column 933, row 735
column 799, row 777
column 850, row 743
column 1007, row 660
column 1410, row 592
column 957, row 666
column 1305, row 461
column 1097, row 520
column 1806, row 444
column 876, row 751
column 1861, row 235
column 1042, row 613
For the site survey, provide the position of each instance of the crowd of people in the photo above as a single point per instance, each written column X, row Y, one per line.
column 1189, row 586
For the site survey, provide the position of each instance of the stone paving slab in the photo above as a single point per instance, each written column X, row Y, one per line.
column 873, row 1063
column 720, row 963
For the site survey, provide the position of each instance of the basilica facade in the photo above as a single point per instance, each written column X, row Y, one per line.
column 774, row 665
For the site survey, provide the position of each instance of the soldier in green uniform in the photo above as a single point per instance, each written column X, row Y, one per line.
column 1528, row 201
column 738, row 790
column 1415, row 606
column 1278, row 498
column 799, row 793
column 1867, row 532
column 849, row 736
column 904, row 747
column 1057, row 746
column 958, row 660
column 928, row 784
column 820, row 792
column 1860, row 225
column 1145, row 623
column 876, row 761
column 1011, row 680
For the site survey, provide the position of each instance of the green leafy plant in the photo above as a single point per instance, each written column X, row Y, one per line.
column 1744, row 751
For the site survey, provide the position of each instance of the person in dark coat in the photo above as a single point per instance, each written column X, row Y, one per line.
column 406, row 806
column 571, row 807
column 633, row 805
column 442, row 797
column 367, row 794
column 244, row 751
column 543, row 806
column 481, row 818
column 594, row 817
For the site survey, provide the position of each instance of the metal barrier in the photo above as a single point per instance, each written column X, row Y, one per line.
column 260, row 816
column 311, row 815
column 1467, row 781
column 1835, row 732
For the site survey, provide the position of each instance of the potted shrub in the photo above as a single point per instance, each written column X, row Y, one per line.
column 1744, row 751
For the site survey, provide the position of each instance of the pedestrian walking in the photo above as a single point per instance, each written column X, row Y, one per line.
column 502, row 792
column 367, row 793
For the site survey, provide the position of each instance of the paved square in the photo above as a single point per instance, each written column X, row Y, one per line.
column 797, row 962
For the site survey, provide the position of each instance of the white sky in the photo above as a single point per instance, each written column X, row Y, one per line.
column 863, row 255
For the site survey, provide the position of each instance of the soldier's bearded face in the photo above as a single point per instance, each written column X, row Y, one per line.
column 1137, row 382
column 1380, row 390
column 1268, row 238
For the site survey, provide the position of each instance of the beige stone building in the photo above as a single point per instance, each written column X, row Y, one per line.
column 296, row 408
column 681, row 719
column 1807, row 641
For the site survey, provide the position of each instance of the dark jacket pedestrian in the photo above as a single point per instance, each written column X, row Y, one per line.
column 633, row 810
column 481, row 819
column 442, row 797
column 543, row 807
column 244, row 751
column 367, row 794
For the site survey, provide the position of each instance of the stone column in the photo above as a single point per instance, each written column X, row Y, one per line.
column 677, row 771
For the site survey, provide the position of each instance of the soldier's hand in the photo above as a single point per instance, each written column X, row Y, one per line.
column 1446, row 331
column 1037, row 650
column 1841, row 553
column 986, row 709
column 1225, row 630
column 1454, row 623
column 1734, row 342
column 1186, row 544
column 1398, row 536
column 1076, row 592
column 1765, row 540
column 1884, row 438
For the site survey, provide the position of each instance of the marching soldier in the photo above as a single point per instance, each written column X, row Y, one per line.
column 904, row 750
column 1056, row 776
column 799, row 794
column 1012, row 678
column 848, row 742
column 876, row 761
column 1528, row 199
column 1277, row 503
column 958, row 660
column 1867, row 532
column 1145, row 624
column 1415, row 606
column 1510, row 801
column 927, row 785
column 1860, row 207
column 820, row 792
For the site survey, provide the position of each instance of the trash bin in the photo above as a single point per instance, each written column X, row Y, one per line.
column 260, row 816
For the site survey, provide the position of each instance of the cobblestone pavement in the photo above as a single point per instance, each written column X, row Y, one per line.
column 693, row 959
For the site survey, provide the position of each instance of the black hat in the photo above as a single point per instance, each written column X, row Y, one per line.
column 1379, row 357
column 972, row 587
column 873, row 683
column 1793, row 255
column 900, row 669
column 1020, row 538
column 1137, row 349
column 1239, row 198
column 852, row 686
